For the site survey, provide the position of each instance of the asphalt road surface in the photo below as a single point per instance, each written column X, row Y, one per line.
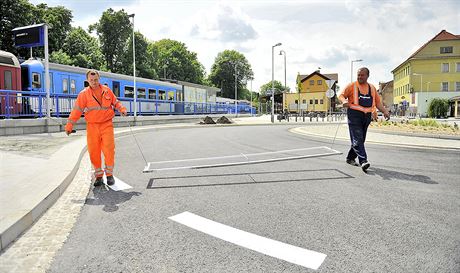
column 401, row 216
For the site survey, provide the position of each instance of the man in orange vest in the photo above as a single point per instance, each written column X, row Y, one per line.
column 97, row 102
column 360, row 98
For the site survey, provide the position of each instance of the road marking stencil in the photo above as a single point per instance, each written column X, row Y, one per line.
column 293, row 254
column 240, row 159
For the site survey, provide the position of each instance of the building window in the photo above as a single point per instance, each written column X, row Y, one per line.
column 129, row 92
column 73, row 87
column 304, row 101
column 446, row 49
column 445, row 86
column 319, row 82
column 321, row 101
column 8, row 80
column 36, row 81
column 458, row 67
column 161, row 95
column 445, row 67
column 296, row 102
column 311, row 101
column 312, row 82
column 65, row 86
column 316, row 101
column 141, row 93
column 457, row 86
column 152, row 94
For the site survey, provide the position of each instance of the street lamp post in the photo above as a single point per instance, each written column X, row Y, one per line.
column 351, row 74
column 236, row 90
column 282, row 52
column 164, row 68
column 134, row 69
column 273, row 79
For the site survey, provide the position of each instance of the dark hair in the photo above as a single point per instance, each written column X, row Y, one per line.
column 365, row 69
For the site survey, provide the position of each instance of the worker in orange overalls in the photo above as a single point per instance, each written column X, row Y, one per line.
column 98, row 103
column 361, row 99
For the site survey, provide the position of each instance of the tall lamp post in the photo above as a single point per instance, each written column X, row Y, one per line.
column 236, row 90
column 134, row 69
column 164, row 68
column 273, row 86
column 282, row 52
column 351, row 74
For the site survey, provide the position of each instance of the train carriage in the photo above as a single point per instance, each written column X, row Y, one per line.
column 10, row 79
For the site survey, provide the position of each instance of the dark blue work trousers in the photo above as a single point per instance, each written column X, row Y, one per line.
column 357, row 125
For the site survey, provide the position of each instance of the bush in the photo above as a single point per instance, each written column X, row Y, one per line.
column 438, row 108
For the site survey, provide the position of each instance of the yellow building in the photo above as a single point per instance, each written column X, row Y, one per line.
column 433, row 71
column 312, row 95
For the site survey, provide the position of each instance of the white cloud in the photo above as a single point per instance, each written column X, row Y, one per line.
column 326, row 34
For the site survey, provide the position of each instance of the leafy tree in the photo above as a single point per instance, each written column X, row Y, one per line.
column 58, row 20
column 83, row 49
column 61, row 57
column 223, row 73
column 176, row 60
column 438, row 108
column 279, row 87
column 144, row 62
column 14, row 13
column 113, row 30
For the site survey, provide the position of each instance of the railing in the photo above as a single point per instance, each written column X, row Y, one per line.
column 16, row 104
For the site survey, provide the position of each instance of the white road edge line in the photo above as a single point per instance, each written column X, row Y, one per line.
column 293, row 254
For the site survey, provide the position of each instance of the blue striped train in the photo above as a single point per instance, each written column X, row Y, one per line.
column 153, row 96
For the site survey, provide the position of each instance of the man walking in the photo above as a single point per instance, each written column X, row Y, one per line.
column 360, row 98
column 98, row 103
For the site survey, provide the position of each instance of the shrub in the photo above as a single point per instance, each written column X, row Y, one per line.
column 438, row 108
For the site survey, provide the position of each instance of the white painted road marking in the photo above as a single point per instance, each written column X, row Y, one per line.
column 280, row 250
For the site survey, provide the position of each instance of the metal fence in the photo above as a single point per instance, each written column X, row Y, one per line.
column 16, row 104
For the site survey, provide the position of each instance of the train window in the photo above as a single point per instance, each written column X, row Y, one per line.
column 170, row 95
column 116, row 88
column 161, row 95
column 129, row 92
column 141, row 93
column 65, row 86
column 152, row 94
column 36, row 80
column 8, row 80
column 73, row 87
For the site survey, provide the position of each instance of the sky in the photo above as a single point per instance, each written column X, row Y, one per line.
column 314, row 34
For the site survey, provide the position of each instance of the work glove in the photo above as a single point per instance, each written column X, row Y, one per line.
column 68, row 128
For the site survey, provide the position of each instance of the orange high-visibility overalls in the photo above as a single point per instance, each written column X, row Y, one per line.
column 98, row 106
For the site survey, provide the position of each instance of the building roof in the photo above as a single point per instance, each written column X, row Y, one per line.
column 441, row 36
column 385, row 86
column 333, row 76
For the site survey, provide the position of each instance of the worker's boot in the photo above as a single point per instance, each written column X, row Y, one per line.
column 98, row 182
column 110, row 180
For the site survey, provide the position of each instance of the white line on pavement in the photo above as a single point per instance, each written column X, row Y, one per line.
column 280, row 250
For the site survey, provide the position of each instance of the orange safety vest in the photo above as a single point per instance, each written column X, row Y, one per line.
column 355, row 103
column 95, row 111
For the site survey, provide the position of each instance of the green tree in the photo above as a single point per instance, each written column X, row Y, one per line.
column 83, row 49
column 60, row 57
column 113, row 30
column 144, row 61
column 223, row 73
column 58, row 20
column 13, row 14
column 438, row 108
column 279, row 87
column 176, row 60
